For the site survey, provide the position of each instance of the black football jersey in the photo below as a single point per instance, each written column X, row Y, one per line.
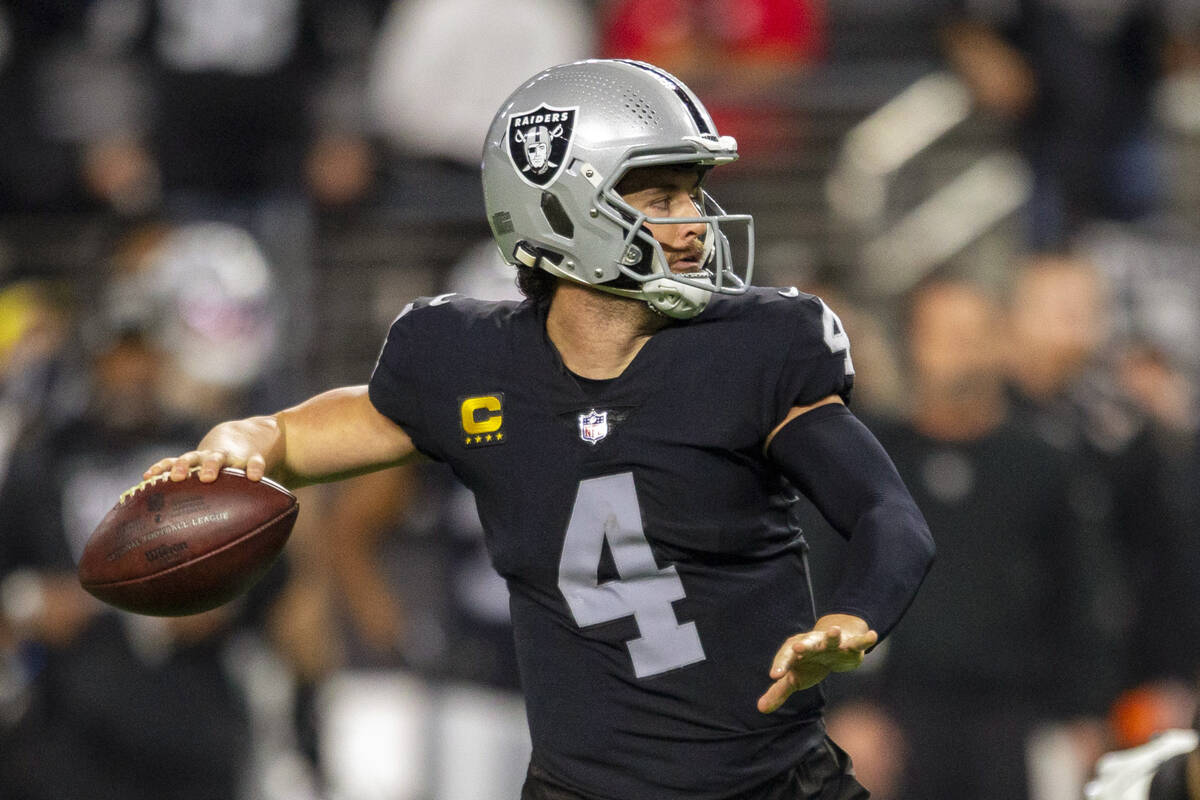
column 644, row 537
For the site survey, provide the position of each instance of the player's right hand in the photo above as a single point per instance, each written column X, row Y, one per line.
column 243, row 444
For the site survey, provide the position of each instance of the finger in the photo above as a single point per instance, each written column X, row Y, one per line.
column 210, row 465
column 181, row 466
column 811, row 642
column 783, row 659
column 857, row 644
column 776, row 694
column 866, row 641
column 256, row 467
column 834, row 639
column 158, row 467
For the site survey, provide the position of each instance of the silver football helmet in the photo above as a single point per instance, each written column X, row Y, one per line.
column 553, row 157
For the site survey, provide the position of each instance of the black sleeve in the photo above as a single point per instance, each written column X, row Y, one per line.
column 830, row 456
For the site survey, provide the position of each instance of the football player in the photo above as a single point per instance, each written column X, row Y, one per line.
column 632, row 433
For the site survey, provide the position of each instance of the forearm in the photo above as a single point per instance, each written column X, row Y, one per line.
column 334, row 435
column 836, row 462
column 889, row 552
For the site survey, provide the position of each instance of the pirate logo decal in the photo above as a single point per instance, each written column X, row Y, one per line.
column 539, row 142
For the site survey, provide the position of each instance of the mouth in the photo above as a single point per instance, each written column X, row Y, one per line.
column 688, row 261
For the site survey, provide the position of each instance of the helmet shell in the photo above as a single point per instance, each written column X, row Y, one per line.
column 557, row 148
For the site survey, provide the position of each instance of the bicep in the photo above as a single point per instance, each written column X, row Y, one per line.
column 831, row 457
column 340, row 433
column 797, row 411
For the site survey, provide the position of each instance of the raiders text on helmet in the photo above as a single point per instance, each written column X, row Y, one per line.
column 554, row 155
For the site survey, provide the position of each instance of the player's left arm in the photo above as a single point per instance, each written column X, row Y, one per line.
column 830, row 456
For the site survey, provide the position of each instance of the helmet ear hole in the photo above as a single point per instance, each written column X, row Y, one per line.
column 556, row 216
column 637, row 257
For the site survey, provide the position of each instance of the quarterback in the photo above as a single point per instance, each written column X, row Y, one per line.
column 636, row 433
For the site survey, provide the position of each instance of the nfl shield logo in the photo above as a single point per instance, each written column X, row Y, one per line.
column 539, row 141
column 593, row 426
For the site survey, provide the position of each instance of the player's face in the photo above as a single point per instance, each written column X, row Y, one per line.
column 668, row 192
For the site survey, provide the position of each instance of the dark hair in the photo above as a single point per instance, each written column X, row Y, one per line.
column 536, row 283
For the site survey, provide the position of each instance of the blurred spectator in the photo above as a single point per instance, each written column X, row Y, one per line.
column 37, row 387
column 707, row 42
column 1154, row 272
column 245, row 100
column 1008, row 634
column 104, row 693
column 249, row 112
column 739, row 55
column 1060, row 319
column 1079, row 79
column 46, row 116
column 212, row 303
column 337, row 611
column 440, row 68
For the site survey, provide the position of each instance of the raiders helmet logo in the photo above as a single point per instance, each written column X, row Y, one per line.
column 539, row 142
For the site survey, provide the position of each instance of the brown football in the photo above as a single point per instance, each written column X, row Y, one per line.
column 170, row 548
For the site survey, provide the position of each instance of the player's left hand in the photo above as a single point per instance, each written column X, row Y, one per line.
column 837, row 643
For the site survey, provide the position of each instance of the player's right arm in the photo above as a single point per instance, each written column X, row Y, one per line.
column 333, row 435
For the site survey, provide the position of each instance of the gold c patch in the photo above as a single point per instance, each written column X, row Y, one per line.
column 482, row 418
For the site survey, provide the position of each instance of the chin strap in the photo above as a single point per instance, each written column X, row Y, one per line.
column 665, row 296
column 674, row 299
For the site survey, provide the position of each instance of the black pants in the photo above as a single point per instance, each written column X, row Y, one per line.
column 824, row 774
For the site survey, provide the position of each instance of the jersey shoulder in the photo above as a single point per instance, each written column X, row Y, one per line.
column 794, row 332
column 433, row 342
column 786, row 306
column 454, row 311
column 432, row 329
column 787, row 318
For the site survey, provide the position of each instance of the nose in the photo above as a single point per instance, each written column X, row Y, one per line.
column 691, row 230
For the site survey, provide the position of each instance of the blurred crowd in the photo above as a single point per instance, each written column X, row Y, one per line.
column 1039, row 396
